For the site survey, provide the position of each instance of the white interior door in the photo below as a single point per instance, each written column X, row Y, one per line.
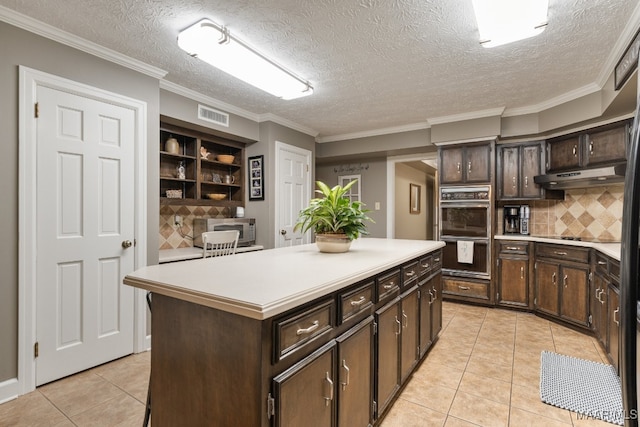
column 85, row 226
column 293, row 182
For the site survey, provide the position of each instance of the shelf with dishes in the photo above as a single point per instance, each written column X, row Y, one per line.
column 197, row 168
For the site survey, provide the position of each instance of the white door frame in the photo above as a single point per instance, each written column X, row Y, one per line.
column 30, row 79
column 391, row 187
column 307, row 155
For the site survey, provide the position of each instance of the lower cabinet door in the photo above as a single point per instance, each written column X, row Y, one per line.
column 409, row 335
column 426, row 301
column 547, row 296
column 575, row 294
column 304, row 394
column 513, row 282
column 614, row 325
column 388, row 345
column 436, row 306
column 355, row 376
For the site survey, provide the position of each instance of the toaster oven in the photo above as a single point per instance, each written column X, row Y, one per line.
column 246, row 227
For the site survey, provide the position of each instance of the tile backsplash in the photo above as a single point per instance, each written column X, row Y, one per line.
column 589, row 213
column 174, row 237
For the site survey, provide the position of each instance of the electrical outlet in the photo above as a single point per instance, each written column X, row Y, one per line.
column 377, row 206
column 177, row 220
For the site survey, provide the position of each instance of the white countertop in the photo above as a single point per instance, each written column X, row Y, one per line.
column 609, row 249
column 265, row 283
column 183, row 254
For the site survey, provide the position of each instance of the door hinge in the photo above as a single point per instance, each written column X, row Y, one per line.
column 36, row 350
column 271, row 406
column 36, row 110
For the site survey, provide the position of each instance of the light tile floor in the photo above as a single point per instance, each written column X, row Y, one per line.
column 483, row 371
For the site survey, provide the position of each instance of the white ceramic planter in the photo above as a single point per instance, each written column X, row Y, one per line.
column 333, row 243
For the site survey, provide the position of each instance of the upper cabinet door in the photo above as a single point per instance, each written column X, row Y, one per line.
column 607, row 146
column 509, row 176
column 451, row 165
column 564, row 154
column 531, row 166
column 478, row 163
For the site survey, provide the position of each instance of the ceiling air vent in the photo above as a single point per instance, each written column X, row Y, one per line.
column 214, row 116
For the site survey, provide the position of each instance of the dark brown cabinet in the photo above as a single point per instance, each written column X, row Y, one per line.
column 599, row 297
column 613, row 314
column 430, row 296
column 409, row 350
column 562, row 282
column 517, row 164
column 469, row 163
column 599, row 146
column 212, row 165
column 388, row 353
column 513, row 274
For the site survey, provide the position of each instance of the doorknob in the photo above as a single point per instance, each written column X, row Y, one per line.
column 283, row 232
column 126, row 244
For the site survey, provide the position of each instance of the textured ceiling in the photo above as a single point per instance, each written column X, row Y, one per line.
column 374, row 64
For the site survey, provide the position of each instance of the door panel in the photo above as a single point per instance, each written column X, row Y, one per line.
column 293, row 195
column 547, row 287
column 513, row 280
column 575, row 305
column 510, row 172
column 531, row 166
column 388, row 353
column 85, row 211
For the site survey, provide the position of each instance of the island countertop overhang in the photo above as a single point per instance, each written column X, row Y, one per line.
column 263, row 284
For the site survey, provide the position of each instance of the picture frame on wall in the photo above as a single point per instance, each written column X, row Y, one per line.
column 628, row 63
column 256, row 178
column 414, row 199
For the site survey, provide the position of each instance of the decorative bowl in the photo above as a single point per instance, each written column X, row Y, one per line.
column 217, row 196
column 226, row 158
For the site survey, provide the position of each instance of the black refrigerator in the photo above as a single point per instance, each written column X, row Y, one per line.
column 629, row 280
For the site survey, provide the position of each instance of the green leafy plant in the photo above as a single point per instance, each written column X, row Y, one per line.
column 334, row 213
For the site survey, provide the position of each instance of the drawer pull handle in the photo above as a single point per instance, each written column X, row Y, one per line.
column 464, row 288
column 513, row 248
column 399, row 330
column 590, row 147
column 358, row 302
column 514, row 182
column 431, row 299
column 435, row 293
column 436, row 259
column 327, row 379
column 559, row 253
column 458, row 167
column 410, row 273
column 575, row 151
column 469, row 167
column 391, row 285
column 313, row 327
column 405, row 319
column 600, row 297
column 617, row 310
column 425, row 265
column 564, row 280
column 526, row 182
column 553, row 278
column 522, row 272
column 345, row 383
column 602, row 262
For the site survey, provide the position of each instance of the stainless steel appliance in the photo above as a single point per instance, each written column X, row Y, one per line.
column 511, row 220
column 525, row 212
column 246, row 227
column 465, row 215
column 629, row 279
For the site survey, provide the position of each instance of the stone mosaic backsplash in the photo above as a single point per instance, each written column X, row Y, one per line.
column 174, row 237
column 588, row 213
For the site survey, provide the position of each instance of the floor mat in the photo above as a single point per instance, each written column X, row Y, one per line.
column 582, row 386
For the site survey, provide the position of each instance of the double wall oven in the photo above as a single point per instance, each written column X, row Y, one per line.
column 465, row 215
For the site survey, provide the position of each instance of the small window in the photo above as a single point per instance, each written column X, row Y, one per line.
column 355, row 191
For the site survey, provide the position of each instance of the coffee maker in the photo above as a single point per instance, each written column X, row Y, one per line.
column 524, row 219
column 511, row 220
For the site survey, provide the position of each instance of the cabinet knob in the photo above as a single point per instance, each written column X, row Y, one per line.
column 575, row 151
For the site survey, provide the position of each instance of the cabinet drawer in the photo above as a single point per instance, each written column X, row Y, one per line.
column 424, row 265
column 356, row 301
column 562, row 252
column 513, row 247
column 388, row 285
column 410, row 273
column 303, row 327
column 466, row 288
column 614, row 270
column 601, row 263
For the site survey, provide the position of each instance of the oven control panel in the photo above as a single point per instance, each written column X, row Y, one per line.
column 465, row 193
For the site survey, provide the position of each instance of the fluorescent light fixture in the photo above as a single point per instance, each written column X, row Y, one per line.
column 505, row 21
column 213, row 44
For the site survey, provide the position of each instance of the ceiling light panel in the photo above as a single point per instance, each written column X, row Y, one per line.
column 505, row 21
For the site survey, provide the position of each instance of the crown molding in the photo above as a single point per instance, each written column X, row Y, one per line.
column 553, row 102
column 481, row 114
column 45, row 30
column 269, row 117
column 375, row 132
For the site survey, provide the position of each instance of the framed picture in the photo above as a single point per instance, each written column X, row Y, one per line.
column 256, row 178
column 628, row 63
column 414, row 199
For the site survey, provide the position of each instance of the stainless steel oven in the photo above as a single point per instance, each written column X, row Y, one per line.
column 465, row 217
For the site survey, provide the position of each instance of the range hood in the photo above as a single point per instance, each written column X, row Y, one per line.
column 583, row 178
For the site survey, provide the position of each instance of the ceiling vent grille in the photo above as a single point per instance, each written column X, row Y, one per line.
column 214, row 116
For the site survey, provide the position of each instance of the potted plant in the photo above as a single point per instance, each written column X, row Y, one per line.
column 335, row 219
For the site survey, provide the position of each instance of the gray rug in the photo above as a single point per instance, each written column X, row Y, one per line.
column 582, row 386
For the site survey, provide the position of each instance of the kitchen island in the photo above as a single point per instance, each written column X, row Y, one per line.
column 286, row 336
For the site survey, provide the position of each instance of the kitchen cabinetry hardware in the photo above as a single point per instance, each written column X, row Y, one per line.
column 602, row 262
column 329, row 382
column 431, row 298
column 405, row 319
column 616, row 311
column 526, row 182
column 562, row 253
column 513, row 182
column 345, row 383
column 399, row 325
column 390, row 285
column 359, row 302
column 459, row 167
column 564, row 280
column 463, row 288
column 522, row 272
column 575, row 151
column 513, row 248
column 469, row 168
column 313, row 327
column 411, row 273
column 553, row 278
